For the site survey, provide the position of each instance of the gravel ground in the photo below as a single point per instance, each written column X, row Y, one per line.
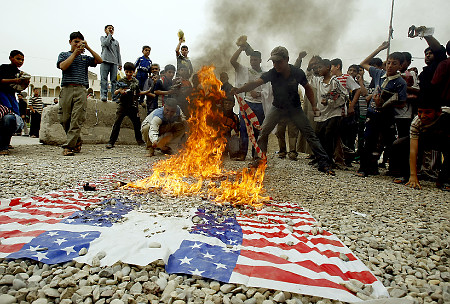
column 401, row 234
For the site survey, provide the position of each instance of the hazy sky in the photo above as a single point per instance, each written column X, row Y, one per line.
column 41, row 28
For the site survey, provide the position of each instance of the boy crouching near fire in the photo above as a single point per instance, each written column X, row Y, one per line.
column 164, row 128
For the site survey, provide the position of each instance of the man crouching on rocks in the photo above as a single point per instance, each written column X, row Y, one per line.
column 164, row 128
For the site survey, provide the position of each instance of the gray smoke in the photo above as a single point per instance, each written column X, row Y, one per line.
column 314, row 26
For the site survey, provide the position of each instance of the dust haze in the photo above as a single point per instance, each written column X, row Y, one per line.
column 314, row 26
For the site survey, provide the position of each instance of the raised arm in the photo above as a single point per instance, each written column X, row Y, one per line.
column 365, row 63
column 250, row 86
column 298, row 61
column 97, row 58
column 177, row 49
column 233, row 59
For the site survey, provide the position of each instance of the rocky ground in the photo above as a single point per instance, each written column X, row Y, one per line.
column 401, row 234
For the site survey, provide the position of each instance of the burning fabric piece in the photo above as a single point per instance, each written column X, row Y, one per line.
column 280, row 247
column 197, row 168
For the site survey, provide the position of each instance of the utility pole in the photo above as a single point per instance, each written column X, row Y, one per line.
column 391, row 30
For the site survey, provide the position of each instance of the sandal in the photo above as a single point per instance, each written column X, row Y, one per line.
column 327, row 170
column 400, row 180
column 68, row 152
column 77, row 148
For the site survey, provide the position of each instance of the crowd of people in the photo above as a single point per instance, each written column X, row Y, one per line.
column 400, row 118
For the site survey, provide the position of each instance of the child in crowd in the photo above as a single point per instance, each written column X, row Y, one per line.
column 183, row 89
column 9, row 107
column 163, row 86
column 112, row 61
column 182, row 57
column 230, row 123
column 128, row 90
column 331, row 97
column 390, row 90
column 226, row 85
column 345, row 147
column 430, row 129
column 74, row 83
column 152, row 98
column 36, row 107
column 143, row 66
column 361, row 106
column 23, row 106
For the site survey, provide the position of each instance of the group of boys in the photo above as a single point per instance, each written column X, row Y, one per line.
column 347, row 108
column 344, row 107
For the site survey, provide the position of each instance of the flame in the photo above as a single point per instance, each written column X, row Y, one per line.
column 197, row 168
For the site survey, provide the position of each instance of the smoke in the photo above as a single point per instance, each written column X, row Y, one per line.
column 314, row 26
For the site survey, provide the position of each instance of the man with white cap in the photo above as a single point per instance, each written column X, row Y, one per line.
column 285, row 79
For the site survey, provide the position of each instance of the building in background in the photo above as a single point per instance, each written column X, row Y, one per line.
column 50, row 87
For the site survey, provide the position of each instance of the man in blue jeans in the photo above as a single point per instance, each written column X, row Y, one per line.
column 285, row 79
column 111, row 62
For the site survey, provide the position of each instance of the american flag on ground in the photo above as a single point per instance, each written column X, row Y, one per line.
column 275, row 248
column 262, row 251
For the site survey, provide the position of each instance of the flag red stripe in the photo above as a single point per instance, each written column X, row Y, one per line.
column 10, row 248
column 275, row 274
column 363, row 276
column 63, row 202
column 6, row 220
column 18, row 233
column 300, row 247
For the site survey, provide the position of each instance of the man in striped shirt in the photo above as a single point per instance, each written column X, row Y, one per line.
column 36, row 106
column 73, row 102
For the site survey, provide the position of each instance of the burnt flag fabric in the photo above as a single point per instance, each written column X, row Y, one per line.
column 281, row 249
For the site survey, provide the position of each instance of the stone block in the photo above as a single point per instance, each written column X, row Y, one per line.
column 97, row 128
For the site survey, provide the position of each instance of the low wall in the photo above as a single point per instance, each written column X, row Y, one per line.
column 96, row 129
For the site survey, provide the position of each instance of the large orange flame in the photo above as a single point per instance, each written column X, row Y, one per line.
column 200, row 161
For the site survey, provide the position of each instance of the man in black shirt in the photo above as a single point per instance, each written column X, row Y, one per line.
column 285, row 79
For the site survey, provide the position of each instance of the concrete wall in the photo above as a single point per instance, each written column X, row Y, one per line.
column 94, row 131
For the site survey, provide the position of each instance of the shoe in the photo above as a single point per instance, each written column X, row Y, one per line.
column 77, row 148
column 151, row 152
column 166, row 150
column 4, row 152
column 255, row 163
column 240, row 157
column 310, row 156
column 33, row 136
column 327, row 170
column 141, row 143
column 292, row 155
column 26, row 135
column 281, row 154
column 313, row 162
column 104, row 99
column 109, row 146
column 361, row 174
column 68, row 152
column 400, row 180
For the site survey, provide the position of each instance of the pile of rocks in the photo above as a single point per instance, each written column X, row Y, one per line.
column 401, row 234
